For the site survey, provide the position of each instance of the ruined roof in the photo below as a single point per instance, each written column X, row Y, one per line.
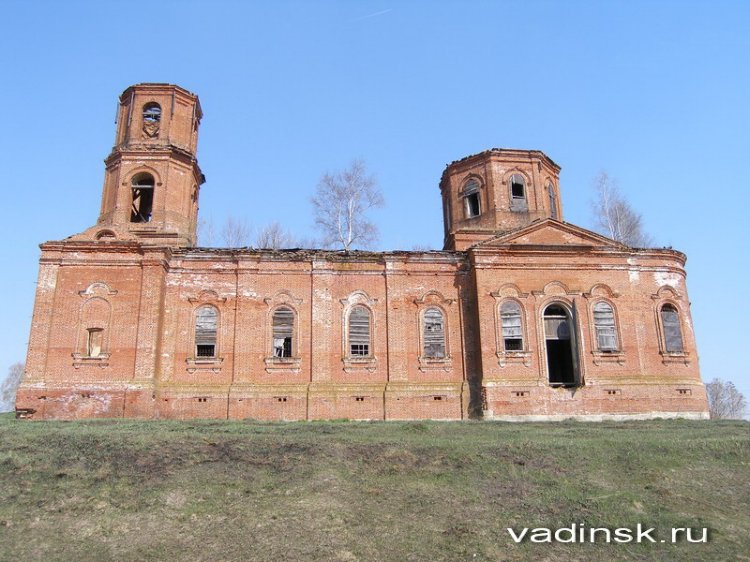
column 506, row 152
column 298, row 254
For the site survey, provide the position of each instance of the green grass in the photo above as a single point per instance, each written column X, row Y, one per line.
column 204, row 490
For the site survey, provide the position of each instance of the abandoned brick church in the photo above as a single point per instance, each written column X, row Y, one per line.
column 520, row 316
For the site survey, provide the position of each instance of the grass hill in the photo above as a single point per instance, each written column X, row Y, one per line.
column 347, row 491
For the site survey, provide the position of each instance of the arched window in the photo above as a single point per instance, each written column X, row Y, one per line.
column 152, row 113
column 206, row 319
column 470, row 194
column 283, row 332
column 143, row 198
column 518, row 193
column 604, row 326
column 359, row 331
column 552, row 201
column 670, row 322
column 433, row 334
column 510, row 315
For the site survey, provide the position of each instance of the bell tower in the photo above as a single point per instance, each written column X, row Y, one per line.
column 496, row 191
column 152, row 179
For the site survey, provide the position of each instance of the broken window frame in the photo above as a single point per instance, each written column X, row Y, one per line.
column 472, row 199
column 206, row 330
column 511, row 326
column 671, row 324
column 518, row 201
column 94, row 342
column 605, row 327
column 433, row 334
column 142, row 198
column 359, row 332
column 282, row 332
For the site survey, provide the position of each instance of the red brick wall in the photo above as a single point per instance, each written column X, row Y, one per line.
column 149, row 368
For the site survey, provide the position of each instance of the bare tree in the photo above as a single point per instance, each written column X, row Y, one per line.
column 9, row 387
column 206, row 232
column 341, row 202
column 235, row 233
column 614, row 217
column 725, row 402
column 274, row 237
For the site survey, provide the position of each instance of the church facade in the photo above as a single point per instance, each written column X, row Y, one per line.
column 521, row 316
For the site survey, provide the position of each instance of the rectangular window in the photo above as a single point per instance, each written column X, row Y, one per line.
column 94, row 344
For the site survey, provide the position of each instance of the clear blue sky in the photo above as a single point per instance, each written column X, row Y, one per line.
column 653, row 92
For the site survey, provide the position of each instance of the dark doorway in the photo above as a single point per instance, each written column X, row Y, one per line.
column 561, row 367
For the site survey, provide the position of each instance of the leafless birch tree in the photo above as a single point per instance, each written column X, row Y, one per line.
column 614, row 217
column 9, row 387
column 341, row 203
column 274, row 237
column 725, row 402
column 235, row 233
column 206, row 232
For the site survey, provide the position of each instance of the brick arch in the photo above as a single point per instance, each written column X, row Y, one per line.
column 602, row 290
column 557, row 288
column 143, row 169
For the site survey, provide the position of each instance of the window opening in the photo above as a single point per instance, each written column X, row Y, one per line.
column 510, row 314
column 143, row 198
column 434, row 334
column 517, row 188
column 559, row 343
column 94, row 342
column 670, row 320
column 283, row 328
column 552, row 201
column 604, row 326
column 151, row 119
column 152, row 113
column 359, row 332
column 471, row 197
column 205, row 331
